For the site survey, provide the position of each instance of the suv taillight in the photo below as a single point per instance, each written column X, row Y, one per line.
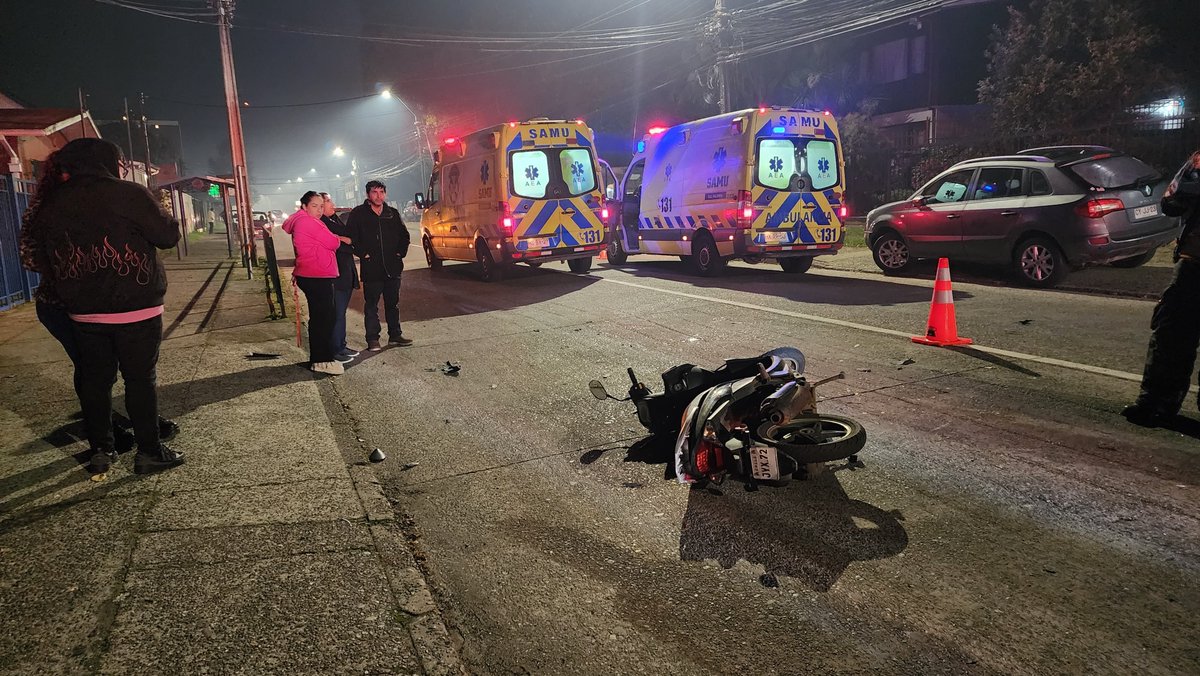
column 507, row 223
column 1097, row 208
column 745, row 209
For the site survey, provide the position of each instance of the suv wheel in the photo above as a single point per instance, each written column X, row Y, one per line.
column 616, row 251
column 891, row 254
column 706, row 260
column 1039, row 262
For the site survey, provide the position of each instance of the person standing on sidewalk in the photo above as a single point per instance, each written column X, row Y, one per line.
column 316, row 268
column 1175, row 324
column 345, row 284
column 380, row 242
column 97, row 237
column 51, row 311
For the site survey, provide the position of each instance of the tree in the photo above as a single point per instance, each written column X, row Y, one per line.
column 1068, row 65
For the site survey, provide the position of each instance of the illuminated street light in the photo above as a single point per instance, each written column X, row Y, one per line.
column 312, row 171
column 387, row 93
column 339, row 152
column 299, row 179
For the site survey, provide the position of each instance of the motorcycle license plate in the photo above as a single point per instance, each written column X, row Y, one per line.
column 764, row 463
column 538, row 242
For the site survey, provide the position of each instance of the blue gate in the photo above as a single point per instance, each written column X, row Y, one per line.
column 16, row 284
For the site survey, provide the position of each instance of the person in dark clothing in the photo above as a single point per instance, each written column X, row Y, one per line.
column 96, row 237
column 51, row 311
column 346, row 282
column 380, row 242
column 1175, row 324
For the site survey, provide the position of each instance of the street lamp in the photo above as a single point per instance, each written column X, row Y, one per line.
column 339, row 152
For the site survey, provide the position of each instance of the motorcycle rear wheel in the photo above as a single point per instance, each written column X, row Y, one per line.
column 820, row 438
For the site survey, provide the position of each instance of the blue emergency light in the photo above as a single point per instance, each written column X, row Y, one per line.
column 779, row 130
column 641, row 146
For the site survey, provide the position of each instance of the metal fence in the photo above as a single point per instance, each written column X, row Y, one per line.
column 887, row 174
column 16, row 284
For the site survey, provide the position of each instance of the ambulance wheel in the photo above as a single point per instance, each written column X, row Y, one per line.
column 891, row 254
column 706, row 260
column 489, row 269
column 580, row 265
column 616, row 252
column 796, row 265
column 753, row 260
column 431, row 258
column 534, row 264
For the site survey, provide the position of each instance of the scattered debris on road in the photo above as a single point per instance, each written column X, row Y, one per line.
column 377, row 456
column 260, row 356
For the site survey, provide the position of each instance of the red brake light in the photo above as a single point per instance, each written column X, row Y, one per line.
column 506, row 218
column 745, row 209
column 1097, row 208
column 450, row 140
column 844, row 211
column 604, row 213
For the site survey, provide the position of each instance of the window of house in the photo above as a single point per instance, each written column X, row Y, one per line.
column 889, row 61
column 916, row 55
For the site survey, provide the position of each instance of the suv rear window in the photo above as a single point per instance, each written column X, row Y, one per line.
column 1114, row 172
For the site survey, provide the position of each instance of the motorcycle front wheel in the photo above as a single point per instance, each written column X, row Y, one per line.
column 820, row 438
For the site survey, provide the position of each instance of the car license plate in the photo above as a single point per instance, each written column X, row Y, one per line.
column 1145, row 212
column 538, row 242
column 764, row 463
column 780, row 236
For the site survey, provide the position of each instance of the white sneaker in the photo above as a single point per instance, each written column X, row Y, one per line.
column 331, row 367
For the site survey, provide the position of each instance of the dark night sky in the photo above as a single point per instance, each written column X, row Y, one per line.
column 50, row 48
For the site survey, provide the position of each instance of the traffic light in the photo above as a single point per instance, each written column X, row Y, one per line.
column 214, row 190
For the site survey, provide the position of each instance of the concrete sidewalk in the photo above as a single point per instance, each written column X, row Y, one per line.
column 272, row 550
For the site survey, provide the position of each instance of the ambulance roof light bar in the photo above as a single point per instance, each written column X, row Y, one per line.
column 655, row 130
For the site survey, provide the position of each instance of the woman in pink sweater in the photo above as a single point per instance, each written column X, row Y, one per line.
column 316, row 268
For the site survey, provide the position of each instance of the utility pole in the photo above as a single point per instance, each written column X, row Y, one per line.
column 237, row 146
column 722, row 87
column 146, row 138
column 129, row 135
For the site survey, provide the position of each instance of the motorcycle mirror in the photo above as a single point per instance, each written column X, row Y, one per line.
column 598, row 390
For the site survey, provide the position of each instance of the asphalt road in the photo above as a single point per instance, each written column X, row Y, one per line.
column 1007, row 520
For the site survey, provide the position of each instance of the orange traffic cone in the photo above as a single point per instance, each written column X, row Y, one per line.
column 942, row 327
column 603, row 254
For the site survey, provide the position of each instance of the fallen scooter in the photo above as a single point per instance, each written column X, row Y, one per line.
column 754, row 420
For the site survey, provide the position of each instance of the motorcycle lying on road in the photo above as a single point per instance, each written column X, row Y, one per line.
column 752, row 419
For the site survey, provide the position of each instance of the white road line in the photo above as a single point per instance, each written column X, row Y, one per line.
column 1049, row 361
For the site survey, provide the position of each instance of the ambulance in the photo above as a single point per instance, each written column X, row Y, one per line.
column 520, row 192
column 758, row 184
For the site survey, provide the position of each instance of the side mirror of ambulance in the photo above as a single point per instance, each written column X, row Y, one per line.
column 419, row 200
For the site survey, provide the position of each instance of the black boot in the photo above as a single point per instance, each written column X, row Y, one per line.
column 167, row 429
column 157, row 460
column 1147, row 415
column 102, row 460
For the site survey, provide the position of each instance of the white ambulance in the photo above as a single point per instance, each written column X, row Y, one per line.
column 520, row 192
column 758, row 184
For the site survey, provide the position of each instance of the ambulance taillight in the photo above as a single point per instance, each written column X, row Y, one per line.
column 507, row 223
column 745, row 209
column 844, row 211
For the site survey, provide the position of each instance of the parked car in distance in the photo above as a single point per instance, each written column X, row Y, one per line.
column 1042, row 211
column 261, row 220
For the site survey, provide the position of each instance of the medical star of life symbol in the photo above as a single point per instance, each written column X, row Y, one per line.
column 719, row 158
column 823, row 165
column 531, row 173
column 776, row 164
column 577, row 171
column 483, row 172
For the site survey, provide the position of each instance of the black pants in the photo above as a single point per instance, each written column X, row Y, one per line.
column 59, row 324
column 132, row 348
column 321, row 316
column 390, row 290
column 1174, row 339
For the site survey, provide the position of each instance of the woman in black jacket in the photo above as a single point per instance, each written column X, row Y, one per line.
column 95, row 238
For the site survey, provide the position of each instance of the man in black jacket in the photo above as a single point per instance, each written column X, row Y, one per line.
column 346, row 282
column 1175, row 324
column 380, row 241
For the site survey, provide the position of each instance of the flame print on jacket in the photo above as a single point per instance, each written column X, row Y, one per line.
column 75, row 262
